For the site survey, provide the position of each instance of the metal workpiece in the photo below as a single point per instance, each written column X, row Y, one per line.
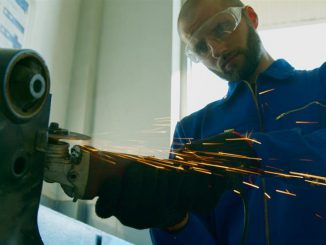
column 24, row 118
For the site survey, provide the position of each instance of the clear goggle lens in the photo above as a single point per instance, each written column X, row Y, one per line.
column 218, row 27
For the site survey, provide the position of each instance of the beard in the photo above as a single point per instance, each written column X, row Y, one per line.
column 252, row 55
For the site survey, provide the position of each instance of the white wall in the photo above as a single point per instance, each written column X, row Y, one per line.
column 134, row 85
column 134, row 76
column 80, row 106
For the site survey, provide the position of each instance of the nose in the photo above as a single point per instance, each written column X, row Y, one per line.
column 217, row 47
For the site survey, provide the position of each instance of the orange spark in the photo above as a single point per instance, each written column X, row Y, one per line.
column 309, row 176
column 201, row 170
column 240, row 170
column 150, row 164
column 236, row 191
column 104, row 154
column 178, row 157
column 278, row 169
column 249, row 184
column 154, row 131
column 266, row 91
column 208, row 143
column 315, row 182
column 184, row 153
column 107, row 158
column 236, row 156
column 160, row 162
column 110, row 161
column 266, row 195
column 245, row 139
column 306, row 122
column 90, row 148
column 286, row 192
column 283, row 175
column 161, row 125
column 166, row 161
column 192, row 160
column 189, row 163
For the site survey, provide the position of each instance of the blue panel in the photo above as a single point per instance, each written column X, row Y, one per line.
column 23, row 4
column 12, row 38
column 13, row 20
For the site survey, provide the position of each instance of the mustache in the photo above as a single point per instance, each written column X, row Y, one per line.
column 224, row 58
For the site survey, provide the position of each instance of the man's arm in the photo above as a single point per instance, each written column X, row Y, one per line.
column 291, row 152
column 206, row 151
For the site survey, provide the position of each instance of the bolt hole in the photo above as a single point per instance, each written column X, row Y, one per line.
column 37, row 86
column 19, row 166
column 73, row 176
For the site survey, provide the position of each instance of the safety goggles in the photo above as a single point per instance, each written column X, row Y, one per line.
column 216, row 28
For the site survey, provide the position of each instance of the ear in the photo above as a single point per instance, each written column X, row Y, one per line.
column 253, row 17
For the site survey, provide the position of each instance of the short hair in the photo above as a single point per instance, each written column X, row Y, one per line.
column 234, row 3
column 189, row 4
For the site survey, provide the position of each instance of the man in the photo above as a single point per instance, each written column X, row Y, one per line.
column 273, row 115
column 283, row 109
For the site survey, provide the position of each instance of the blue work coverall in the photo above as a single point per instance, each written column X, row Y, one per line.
column 287, row 116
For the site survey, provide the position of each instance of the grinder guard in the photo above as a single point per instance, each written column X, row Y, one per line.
column 24, row 117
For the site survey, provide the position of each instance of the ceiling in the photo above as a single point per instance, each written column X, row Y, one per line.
column 284, row 13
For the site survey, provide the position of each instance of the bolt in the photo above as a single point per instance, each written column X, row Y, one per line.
column 72, row 176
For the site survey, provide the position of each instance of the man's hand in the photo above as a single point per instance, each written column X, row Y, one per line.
column 142, row 196
column 179, row 225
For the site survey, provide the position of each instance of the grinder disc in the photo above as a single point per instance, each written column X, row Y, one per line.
column 57, row 133
column 69, row 136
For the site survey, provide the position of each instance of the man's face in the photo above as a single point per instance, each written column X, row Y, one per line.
column 234, row 58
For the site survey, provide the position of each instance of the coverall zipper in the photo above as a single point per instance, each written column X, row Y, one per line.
column 262, row 129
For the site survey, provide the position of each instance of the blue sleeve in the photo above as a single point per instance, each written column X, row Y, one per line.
column 291, row 151
column 298, row 149
column 195, row 232
column 179, row 138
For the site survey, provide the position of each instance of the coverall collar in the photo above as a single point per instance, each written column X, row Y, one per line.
column 279, row 70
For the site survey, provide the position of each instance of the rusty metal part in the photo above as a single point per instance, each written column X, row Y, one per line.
column 24, row 115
